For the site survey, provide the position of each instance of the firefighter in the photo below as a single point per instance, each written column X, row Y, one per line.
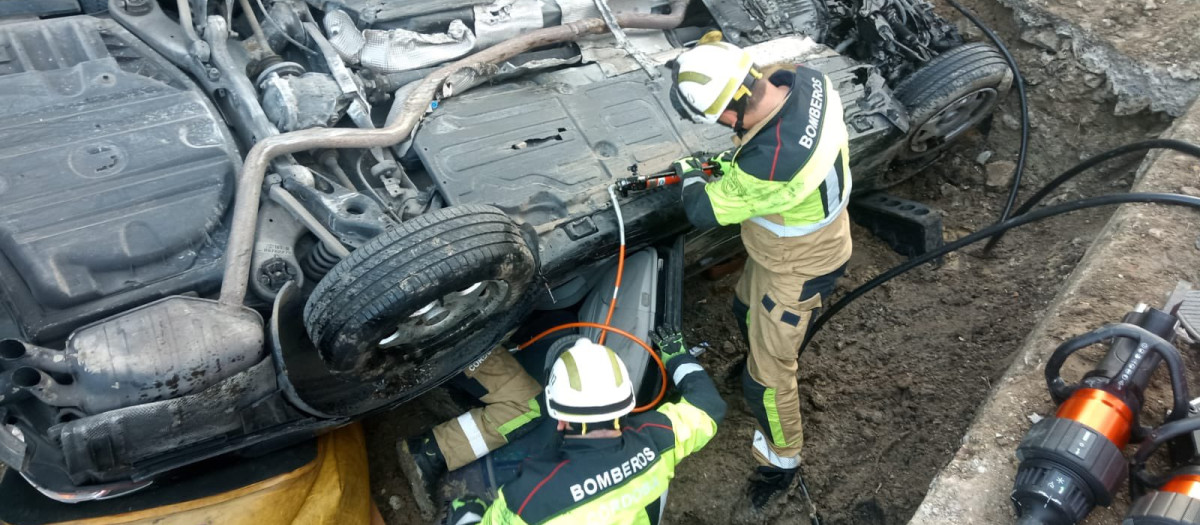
column 511, row 409
column 609, row 466
column 786, row 182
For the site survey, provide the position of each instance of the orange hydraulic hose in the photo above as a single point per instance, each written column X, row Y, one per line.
column 662, row 390
column 612, row 305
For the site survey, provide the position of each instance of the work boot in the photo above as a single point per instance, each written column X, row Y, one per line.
column 768, row 482
column 423, row 464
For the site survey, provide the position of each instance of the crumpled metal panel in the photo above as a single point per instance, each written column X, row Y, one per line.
column 343, row 35
column 395, row 50
column 604, row 49
column 504, row 19
column 401, row 50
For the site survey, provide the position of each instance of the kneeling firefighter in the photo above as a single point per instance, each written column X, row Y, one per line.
column 786, row 182
column 608, row 466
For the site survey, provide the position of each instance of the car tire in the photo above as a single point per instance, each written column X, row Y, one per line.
column 433, row 288
column 951, row 94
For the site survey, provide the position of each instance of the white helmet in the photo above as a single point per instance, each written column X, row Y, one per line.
column 588, row 384
column 710, row 77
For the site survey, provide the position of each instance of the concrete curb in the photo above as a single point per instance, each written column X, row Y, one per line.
column 1139, row 257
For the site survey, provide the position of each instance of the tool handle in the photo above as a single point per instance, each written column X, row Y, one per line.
column 1147, row 342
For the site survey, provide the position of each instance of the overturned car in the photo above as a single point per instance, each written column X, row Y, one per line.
column 227, row 224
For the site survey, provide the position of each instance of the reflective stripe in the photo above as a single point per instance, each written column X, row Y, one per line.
column 692, row 76
column 833, row 183
column 760, row 444
column 772, row 411
column 683, row 370
column 693, row 180
column 474, row 436
column 731, row 86
column 837, row 204
column 662, row 504
column 469, row 518
column 534, row 412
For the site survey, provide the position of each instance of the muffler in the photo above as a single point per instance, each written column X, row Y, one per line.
column 163, row 350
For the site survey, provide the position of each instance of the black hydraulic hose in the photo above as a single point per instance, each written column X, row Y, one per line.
column 1177, row 145
column 1020, row 220
column 1019, row 170
column 1155, row 439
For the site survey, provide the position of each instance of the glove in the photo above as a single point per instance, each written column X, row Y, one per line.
column 722, row 162
column 669, row 343
column 465, row 511
column 688, row 167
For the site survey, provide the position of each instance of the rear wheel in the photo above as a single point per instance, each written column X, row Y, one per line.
column 945, row 98
column 951, row 94
column 431, row 289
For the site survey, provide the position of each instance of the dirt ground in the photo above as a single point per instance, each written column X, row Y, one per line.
column 891, row 384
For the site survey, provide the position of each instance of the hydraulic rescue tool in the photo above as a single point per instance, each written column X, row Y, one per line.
column 1173, row 499
column 1072, row 461
column 636, row 182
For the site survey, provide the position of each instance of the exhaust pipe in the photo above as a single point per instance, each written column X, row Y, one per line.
column 445, row 82
column 21, row 353
column 26, row 380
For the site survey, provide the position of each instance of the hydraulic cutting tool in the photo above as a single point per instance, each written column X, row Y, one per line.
column 1072, row 461
column 637, row 182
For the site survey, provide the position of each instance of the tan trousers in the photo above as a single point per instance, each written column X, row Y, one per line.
column 777, row 301
column 511, row 405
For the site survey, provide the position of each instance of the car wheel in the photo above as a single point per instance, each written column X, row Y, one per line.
column 432, row 286
column 951, row 94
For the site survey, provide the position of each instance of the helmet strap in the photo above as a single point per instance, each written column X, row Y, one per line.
column 579, row 429
column 738, row 127
column 741, row 100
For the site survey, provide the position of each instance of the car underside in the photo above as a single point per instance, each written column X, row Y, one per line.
column 236, row 223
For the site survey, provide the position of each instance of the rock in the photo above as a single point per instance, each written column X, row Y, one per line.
column 1150, row 5
column 1157, row 233
column 395, row 502
column 999, row 174
column 818, row 401
column 1057, row 199
column 1093, row 81
column 983, row 157
column 949, row 190
column 1044, row 38
column 728, row 348
column 869, row 415
column 968, row 29
column 1011, row 122
column 1190, row 190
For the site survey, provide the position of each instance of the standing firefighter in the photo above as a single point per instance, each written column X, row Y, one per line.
column 786, row 182
column 609, row 467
